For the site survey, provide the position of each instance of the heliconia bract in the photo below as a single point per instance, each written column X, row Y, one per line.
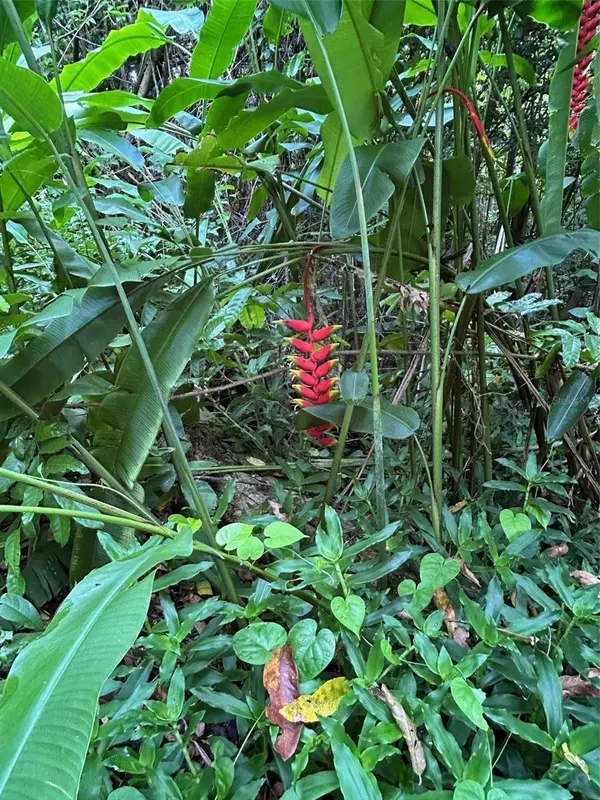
column 588, row 25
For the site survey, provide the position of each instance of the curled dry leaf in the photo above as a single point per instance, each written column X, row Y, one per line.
column 408, row 728
column 458, row 506
column 456, row 631
column 585, row 578
column 324, row 702
column 280, row 679
column 574, row 686
column 557, row 551
column 467, row 573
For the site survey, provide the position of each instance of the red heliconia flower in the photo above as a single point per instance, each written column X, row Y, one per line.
column 588, row 25
column 314, row 386
column 473, row 116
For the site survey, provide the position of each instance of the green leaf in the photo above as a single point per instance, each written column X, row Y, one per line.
column 20, row 612
column 312, row 787
column 133, row 408
column 29, row 100
column 231, row 536
column 281, row 534
column 522, row 66
column 525, row 730
column 31, row 168
column 336, row 150
column 437, row 571
column 569, row 404
column 225, row 702
column 513, row 524
column 254, row 643
column 119, row 45
column 223, row 30
column 324, row 13
column 114, row 144
column 532, row 790
column 468, row 790
column 379, row 167
column 398, row 422
column 48, row 706
column 68, row 342
column 444, row 742
column 312, row 651
column 350, row 611
column 514, row 263
column 354, row 386
column 469, row 700
column 354, row 781
column 561, row 16
column 251, row 549
column 549, row 689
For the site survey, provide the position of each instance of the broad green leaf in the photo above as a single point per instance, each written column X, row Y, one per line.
column 231, row 536
column 468, row 790
column 379, row 166
column 388, row 17
column 25, row 10
column 513, row 524
column 119, row 45
column 115, row 144
column 569, row 404
column 444, row 742
column 48, row 706
column 250, row 122
column 522, row 66
column 561, row 16
column 313, row 651
column 336, row 150
column 225, row 702
column 437, row 571
column 29, row 100
column 254, row 643
column 516, row 262
column 312, row 787
column 223, row 30
column 325, row 14
column 589, row 150
column 398, row 422
column 353, row 51
column 354, row 386
column 469, row 700
column 20, row 612
column 354, row 781
column 30, row 167
column 532, row 790
column 524, row 730
column 68, row 342
column 185, row 20
column 350, row 611
column 281, row 534
column 549, row 689
column 72, row 262
column 420, row 12
column 133, row 408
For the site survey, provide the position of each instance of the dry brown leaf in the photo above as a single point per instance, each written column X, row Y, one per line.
column 459, row 506
column 280, row 679
column 584, row 578
column 458, row 633
column 408, row 728
column 277, row 512
column 574, row 686
column 467, row 573
column 557, row 551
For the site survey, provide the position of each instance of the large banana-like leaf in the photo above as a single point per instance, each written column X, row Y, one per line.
column 224, row 29
column 353, row 50
column 28, row 99
column 83, row 76
column 30, row 167
column 68, row 342
column 516, row 262
column 48, row 706
column 133, row 409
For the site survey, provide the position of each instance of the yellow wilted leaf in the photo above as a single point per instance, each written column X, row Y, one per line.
column 575, row 760
column 324, row 701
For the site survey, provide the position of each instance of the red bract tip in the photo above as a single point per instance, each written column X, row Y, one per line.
column 296, row 325
column 304, row 363
column 300, row 345
column 322, row 370
column 323, row 352
column 304, row 391
column 326, row 441
column 324, row 333
column 307, row 378
column 318, row 430
column 325, row 386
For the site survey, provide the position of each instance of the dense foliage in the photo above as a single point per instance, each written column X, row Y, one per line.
column 300, row 336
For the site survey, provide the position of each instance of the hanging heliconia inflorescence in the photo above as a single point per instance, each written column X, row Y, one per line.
column 312, row 362
column 588, row 25
column 484, row 140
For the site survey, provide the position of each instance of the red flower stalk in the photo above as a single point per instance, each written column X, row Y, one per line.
column 314, row 386
column 590, row 19
column 473, row 116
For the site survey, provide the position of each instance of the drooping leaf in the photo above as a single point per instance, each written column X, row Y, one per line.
column 30, row 167
column 119, row 45
column 325, row 14
column 336, row 150
column 516, row 262
column 569, row 404
column 48, row 706
column 409, row 730
column 223, row 30
column 29, row 100
column 323, row 702
column 379, row 166
column 68, row 342
column 398, row 422
column 525, row 730
column 549, row 689
column 280, row 679
column 133, row 408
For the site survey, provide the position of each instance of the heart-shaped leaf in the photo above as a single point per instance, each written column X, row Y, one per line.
column 254, row 643
column 312, row 651
column 232, row 536
column 513, row 524
column 250, row 549
column 437, row 571
column 349, row 611
column 281, row 534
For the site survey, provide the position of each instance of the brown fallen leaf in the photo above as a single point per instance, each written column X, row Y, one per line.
column 557, row 551
column 456, row 631
column 408, row 728
column 467, row 573
column 280, row 679
column 584, row 578
column 574, row 686
column 459, row 506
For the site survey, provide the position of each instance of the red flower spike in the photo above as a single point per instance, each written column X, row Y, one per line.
column 317, row 431
column 296, row 325
column 327, row 441
column 324, row 352
column 324, row 333
column 589, row 22
column 304, row 363
column 325, row 386
column 305, row 377
column 300, row 345
column 473, row 116
column 302, row 403
column 304, row 391
column 328, row 397
column 323, row 369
